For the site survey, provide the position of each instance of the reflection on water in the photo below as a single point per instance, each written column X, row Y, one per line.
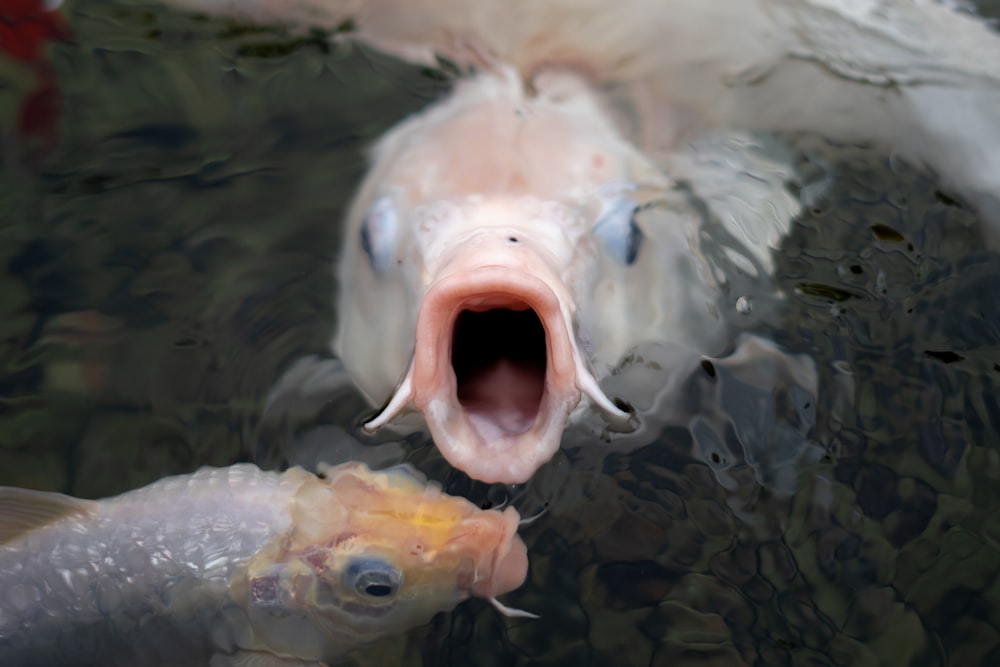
column 170, row 256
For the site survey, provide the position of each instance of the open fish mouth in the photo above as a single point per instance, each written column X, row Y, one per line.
column 496, row 372
column 499, row 359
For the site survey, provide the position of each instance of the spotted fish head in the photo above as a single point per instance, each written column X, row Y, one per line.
column 372, row 554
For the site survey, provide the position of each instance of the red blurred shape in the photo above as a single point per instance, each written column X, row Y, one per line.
column 26, row 26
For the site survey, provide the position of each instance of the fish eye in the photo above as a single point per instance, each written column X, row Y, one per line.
column 373, row 578
column 618, row 231
column 378, row 234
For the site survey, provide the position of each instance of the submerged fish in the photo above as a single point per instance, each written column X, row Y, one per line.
column 514, row 242
column 242, row 567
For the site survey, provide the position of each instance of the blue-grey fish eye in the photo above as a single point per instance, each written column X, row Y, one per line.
column 373, row 578
column 378, row 234
column 617, row 230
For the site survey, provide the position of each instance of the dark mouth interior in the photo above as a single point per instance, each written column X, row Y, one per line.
column 499, row 359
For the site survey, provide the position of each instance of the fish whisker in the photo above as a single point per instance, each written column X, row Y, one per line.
column 527, row 521
column 511, row 612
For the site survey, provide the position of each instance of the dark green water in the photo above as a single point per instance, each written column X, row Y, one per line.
column 170, row 255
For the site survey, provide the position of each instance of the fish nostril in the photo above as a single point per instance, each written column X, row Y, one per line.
column 512, row 239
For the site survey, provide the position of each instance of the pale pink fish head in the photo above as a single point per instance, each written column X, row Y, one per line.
column 470, row 263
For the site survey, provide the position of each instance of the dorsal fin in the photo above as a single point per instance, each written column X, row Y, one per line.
column 24, row 510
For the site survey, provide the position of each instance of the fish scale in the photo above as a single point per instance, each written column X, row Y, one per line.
column 111, row 572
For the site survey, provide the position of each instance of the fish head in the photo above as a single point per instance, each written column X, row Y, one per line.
column 372, row 554
column 469, row 265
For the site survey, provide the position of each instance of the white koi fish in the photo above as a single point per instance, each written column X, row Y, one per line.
column 514, row 242
column 494, row 281
column 236, row 566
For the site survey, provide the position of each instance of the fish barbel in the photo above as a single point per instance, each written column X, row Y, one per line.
column 242, row 567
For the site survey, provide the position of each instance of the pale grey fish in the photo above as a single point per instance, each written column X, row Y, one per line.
column 236, row 566
column 515, row 241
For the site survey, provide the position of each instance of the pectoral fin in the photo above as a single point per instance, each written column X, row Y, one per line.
column 25, row 510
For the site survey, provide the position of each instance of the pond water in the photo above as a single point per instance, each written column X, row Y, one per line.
column 167, row 255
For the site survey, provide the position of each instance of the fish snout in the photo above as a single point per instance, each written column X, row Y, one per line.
column 499, row 562
column 493, row 371
column 496, row 369
column 509, row 572
column 493, row 368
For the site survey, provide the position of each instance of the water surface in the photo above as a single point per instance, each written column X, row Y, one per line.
column 169, row 254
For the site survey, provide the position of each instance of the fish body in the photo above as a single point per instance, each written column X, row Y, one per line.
column 241, row 566
column 513, row 243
